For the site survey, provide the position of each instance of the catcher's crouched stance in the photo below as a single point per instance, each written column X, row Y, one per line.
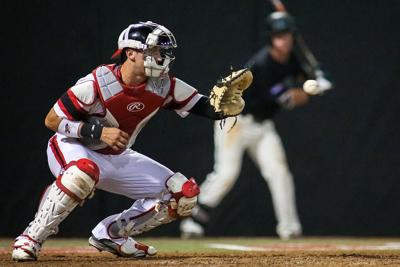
column 97, row 121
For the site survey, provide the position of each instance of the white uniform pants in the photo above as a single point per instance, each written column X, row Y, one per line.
column 130, row 174
column 265, row 148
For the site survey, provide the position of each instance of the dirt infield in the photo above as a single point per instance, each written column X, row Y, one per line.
column 217, row 259
column 231, row 252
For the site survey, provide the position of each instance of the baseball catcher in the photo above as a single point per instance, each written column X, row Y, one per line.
column 101, row 115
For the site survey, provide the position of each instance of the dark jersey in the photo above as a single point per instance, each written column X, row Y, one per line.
column 270, row 80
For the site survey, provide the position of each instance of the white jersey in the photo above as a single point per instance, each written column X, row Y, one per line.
column 101, row 97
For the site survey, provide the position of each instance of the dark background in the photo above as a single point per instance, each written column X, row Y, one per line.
column 342, row 148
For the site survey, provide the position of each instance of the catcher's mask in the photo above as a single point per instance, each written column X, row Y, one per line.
column 280, row 22
column 146, row 37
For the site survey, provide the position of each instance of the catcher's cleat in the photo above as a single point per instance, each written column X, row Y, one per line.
column 128, row 249
column 25, row 249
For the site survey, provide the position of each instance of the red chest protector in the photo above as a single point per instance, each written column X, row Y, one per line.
column 129, row 108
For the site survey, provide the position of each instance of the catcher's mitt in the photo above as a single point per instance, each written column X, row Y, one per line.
column 226, row 95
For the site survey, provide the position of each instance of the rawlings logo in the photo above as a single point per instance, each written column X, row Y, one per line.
column 135, row 106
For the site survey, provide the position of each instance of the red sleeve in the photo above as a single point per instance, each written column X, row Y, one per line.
column 69, row 104
column 180, row 94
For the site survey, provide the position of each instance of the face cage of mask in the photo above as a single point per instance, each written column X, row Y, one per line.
column 156, row 68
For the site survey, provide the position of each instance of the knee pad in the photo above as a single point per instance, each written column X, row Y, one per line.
column 79, row 179
column 180, row 186
column 184, row 193
column 70, row 189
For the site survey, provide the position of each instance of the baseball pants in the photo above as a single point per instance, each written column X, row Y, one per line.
column 130, row 174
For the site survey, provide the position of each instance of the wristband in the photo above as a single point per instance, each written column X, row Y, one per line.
column 91, row 130
column 69, row 128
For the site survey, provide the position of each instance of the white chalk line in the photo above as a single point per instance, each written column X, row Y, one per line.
column 305, row 247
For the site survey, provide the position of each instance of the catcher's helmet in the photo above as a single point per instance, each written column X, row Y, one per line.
column 278, row 22
column 147, row 35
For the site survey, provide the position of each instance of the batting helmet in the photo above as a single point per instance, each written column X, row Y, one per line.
column 278, row 22
column 147, row 35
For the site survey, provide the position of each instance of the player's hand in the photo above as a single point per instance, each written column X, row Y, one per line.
column 295, row 97
column 115, row 138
